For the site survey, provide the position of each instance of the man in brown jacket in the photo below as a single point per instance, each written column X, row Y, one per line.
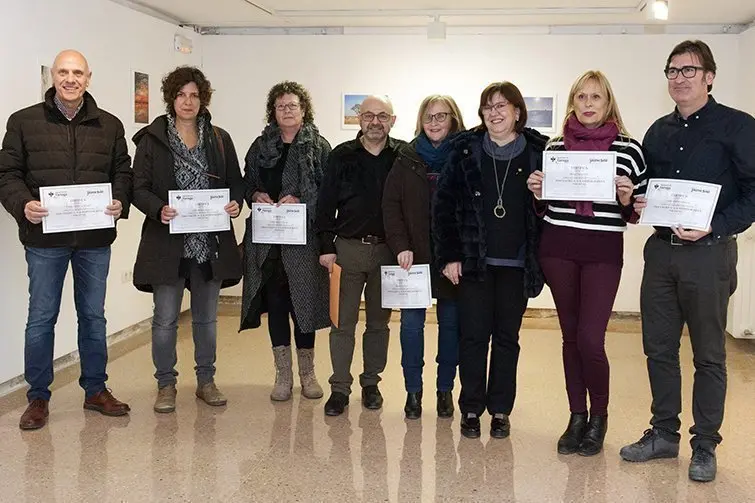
column 66, row 140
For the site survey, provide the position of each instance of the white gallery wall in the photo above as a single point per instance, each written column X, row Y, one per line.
column 116, row 41
column 407, row 68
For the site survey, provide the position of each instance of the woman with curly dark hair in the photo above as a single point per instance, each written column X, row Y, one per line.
column 284, row 165
column 182, row 150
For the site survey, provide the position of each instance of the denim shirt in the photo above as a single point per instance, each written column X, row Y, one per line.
column 716, row 144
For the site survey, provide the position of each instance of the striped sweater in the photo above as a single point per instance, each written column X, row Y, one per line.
column 630, row 162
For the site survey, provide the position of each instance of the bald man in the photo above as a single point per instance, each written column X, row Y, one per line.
column 65, row 140
column 349, row 224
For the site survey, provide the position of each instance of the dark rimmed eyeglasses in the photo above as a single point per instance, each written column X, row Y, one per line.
column 293, row 107
column 687, row 71
column 440, row 117
column 369, row 117
column 498, row 107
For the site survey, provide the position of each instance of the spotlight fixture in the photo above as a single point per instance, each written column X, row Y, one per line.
column 657, row 9
column 436, row 29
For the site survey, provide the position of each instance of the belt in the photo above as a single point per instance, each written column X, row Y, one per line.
column 371, row 240
column 709, row 240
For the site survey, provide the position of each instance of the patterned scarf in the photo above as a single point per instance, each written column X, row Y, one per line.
column 190, row 168
column 578, row 137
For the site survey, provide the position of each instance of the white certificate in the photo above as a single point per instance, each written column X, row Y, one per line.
column 283, row 225
column 682, row 203
column 579, row 176
column 402, row 289
column 199, row 210
column 76, row 207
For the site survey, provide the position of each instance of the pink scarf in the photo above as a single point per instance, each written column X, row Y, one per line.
column 578, row 137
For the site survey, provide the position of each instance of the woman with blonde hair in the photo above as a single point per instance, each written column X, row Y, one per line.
column 406, row 216
column 581, row 254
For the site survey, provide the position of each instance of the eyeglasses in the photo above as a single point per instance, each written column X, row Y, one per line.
column 369, row 117
column 287, row 106
column 498, row 107
column 440, row 117
column 687, row 72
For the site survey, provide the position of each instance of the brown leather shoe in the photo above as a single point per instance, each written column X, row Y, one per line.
column 105, row 403
column 35, row 415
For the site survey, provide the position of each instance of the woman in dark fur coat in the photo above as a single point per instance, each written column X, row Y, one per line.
column 285, row 164
column 486, row 234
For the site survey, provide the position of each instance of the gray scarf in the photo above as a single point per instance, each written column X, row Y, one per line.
column 190, row 168
column 506, row 152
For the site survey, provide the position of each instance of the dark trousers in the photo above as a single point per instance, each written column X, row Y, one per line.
column 413, row 345
column 689, row 284
column 584, row 294
column 491, row 308
column 360, row 265
column 280, row 307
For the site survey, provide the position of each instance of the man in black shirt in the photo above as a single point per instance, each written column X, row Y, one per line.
column 690, row 274
column 350, row 227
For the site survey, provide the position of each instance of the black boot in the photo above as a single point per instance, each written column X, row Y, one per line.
column 445, row 404
column 592, row 442
column 413, row 407
column 572, row 437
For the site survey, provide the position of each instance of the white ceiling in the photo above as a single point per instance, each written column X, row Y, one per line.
column 402, row 13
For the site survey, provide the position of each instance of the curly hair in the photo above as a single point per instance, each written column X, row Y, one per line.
column 289, row 87
column 174, row 82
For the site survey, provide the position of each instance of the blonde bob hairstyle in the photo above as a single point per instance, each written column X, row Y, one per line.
column 612, row 107
column 458, row 123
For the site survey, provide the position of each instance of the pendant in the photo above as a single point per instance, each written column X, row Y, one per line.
column 499, row 211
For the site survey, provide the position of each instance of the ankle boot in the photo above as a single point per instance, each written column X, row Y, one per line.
column 572, row 437
column 310, row 388
column 284, row 376
column 592, row 442
column 413, row 407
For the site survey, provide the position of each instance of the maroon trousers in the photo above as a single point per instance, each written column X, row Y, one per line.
column 583, row 270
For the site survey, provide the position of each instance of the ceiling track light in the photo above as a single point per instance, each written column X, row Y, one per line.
column 656, row 9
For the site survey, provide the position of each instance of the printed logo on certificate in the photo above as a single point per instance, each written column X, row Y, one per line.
column 680, row 203
column 73, row 208
column 199, row 210
column 281, row 225
column 579, row 176
column 402, row 289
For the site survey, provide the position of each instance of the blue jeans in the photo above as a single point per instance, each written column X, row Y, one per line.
column 413, row 345
column 47, row 269
column 204, row 327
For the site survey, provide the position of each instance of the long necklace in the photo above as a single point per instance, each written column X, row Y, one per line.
column 499, row 211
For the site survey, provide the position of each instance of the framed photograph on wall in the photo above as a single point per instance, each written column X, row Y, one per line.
column 45, row 80
column 541, row 113
column 350, row 103
column 141, row 97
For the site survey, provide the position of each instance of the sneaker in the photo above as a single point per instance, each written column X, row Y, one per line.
column 211, row 395
column 702, row 468
column 166, row 399
column 650, row 446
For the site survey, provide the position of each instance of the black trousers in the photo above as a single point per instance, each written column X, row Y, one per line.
column 490, row 309
column 692, row 285
column 280, row 307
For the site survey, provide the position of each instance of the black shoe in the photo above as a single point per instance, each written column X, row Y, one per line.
column 445, row 404
column 413, row 407
column 371, row 397
column 572, row 437
column 470, row 426
column 336, row 404
column 702, row 468
column 651, row 446
column 500, row 427
column 592, row 442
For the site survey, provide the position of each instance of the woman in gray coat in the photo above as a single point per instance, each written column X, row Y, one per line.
column 285, row 165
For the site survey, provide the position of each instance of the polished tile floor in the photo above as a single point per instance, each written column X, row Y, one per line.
column 255, row 450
